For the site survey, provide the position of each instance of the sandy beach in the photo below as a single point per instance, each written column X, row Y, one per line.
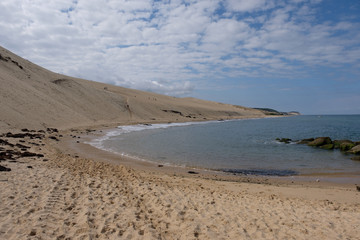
column 64, row 195
column 53, row 186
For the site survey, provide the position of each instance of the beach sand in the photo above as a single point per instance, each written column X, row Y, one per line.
column 69, row 196
column 61, row 188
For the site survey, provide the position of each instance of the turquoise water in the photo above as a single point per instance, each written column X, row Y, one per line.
column 240, row 146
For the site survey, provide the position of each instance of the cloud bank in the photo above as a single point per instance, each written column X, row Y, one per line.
column 174, row 47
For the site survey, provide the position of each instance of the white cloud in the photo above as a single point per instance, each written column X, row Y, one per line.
column 173, row 46
column 248, row 6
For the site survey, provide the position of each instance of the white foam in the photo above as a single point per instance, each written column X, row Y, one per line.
column 120, row 130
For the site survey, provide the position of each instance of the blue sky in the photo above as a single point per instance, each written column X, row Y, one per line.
column 301, row 55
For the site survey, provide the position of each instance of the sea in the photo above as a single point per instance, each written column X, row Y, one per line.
column 246, row 146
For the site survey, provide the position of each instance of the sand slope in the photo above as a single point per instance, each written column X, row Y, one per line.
column 34, row 97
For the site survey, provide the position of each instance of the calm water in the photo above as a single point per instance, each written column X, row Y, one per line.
column 246, row 146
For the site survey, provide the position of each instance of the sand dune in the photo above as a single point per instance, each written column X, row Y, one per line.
column 34, row 97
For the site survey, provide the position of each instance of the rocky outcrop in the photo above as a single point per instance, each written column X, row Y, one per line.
column 284, row 140
column 355, row 149
column 320, row 141
column 346, row 146
column 338, row 143
column 305, row 141
column 327, row 146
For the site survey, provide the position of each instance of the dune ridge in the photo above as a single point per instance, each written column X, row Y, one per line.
column 34, row 97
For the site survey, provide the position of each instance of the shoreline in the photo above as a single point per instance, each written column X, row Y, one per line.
column 76, row 191
column 350, row 178
column 82, row 148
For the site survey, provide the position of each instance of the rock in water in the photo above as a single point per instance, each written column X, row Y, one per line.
column 320, row 141
column 305, row 141
column 327, row 146
column 337, row 143
column 355, row 150
column 345, row 146
column 284, row 140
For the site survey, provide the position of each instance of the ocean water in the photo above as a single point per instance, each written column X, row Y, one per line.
column 240, row 146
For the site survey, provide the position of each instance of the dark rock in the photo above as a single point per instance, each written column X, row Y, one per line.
column 356, row 158
column 320, row 141
column 192, row 172
column 52, row 130
column 8, row 155
column 305, row 141
column 327, row 146
column 16, row 63
column 32, row 233
column 5, row 142
column 28, row 154
column 345, row 146
column 284, row 140
column 4, row 169
column 160, row 165
column 173, row 111
column 25, row 130
column 54, row 138
column 358, row 188
column 355, row 150
column 29, row 167
column 337, row 143
column 23, row 135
